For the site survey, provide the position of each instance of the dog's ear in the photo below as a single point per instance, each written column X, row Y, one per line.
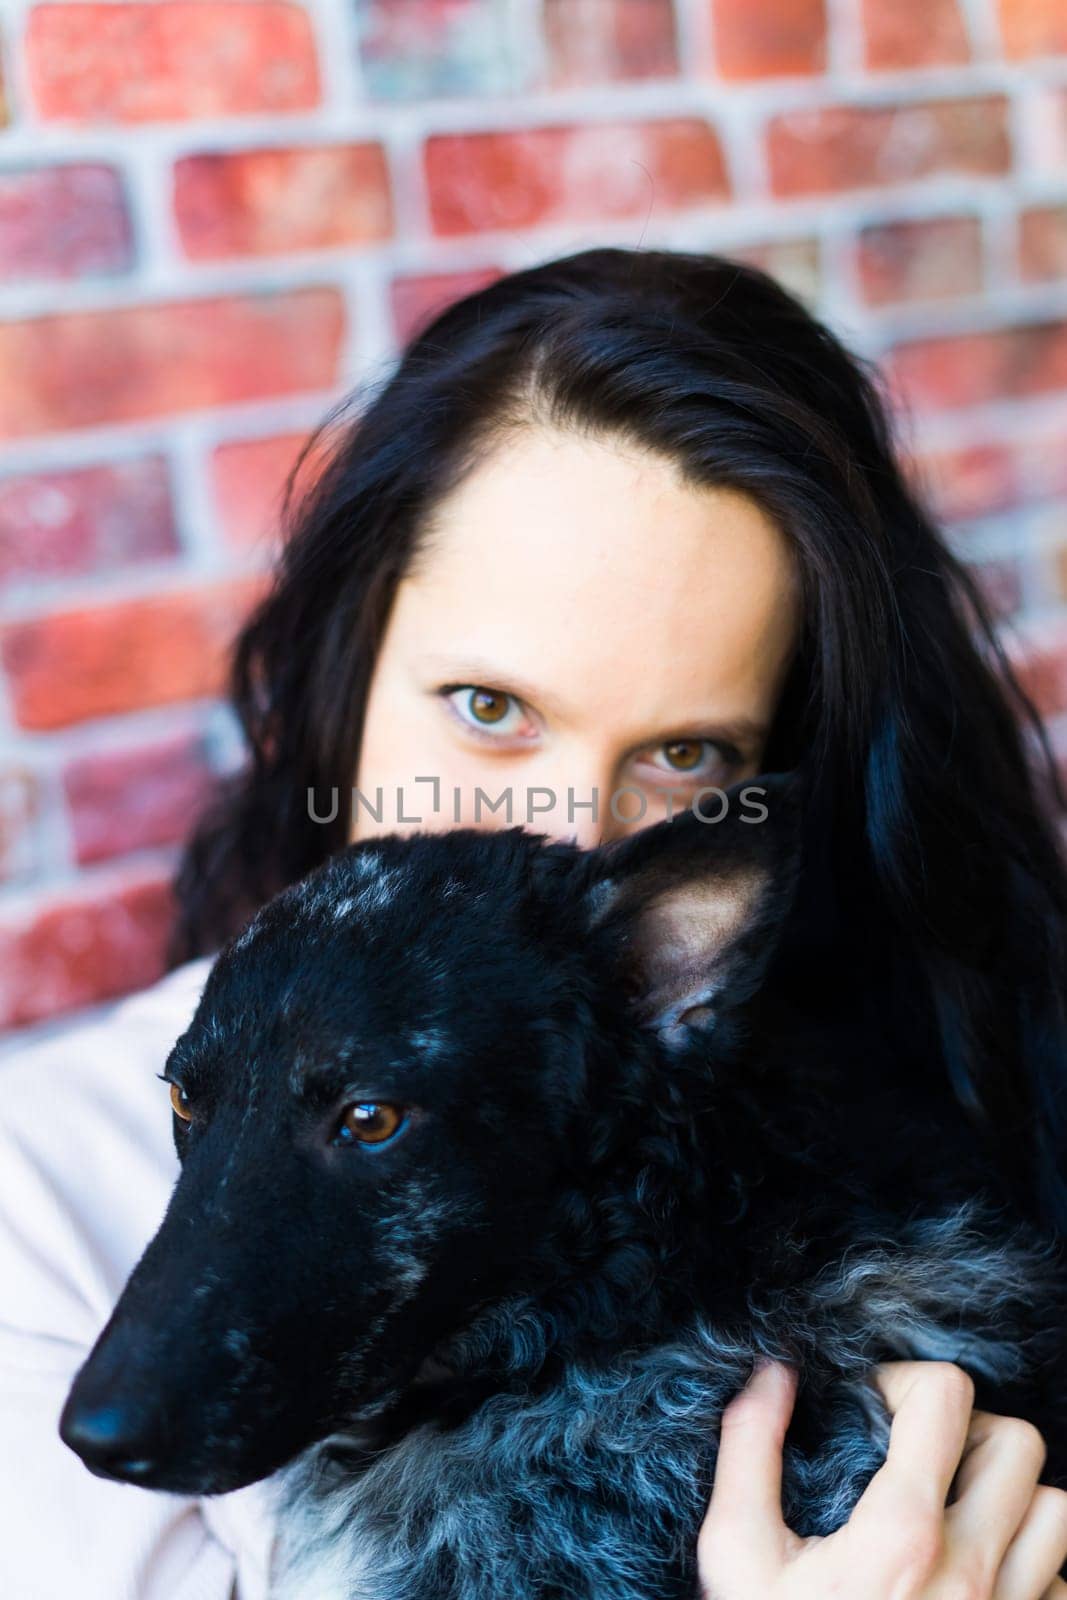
column 690, row 909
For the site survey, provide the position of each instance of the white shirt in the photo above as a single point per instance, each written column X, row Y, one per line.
column 86, row 1168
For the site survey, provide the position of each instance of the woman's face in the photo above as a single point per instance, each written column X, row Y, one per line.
column 582, row 624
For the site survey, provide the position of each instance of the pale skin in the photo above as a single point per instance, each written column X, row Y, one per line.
column 585, row 622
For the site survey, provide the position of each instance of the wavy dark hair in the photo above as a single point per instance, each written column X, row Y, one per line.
column 935, row 906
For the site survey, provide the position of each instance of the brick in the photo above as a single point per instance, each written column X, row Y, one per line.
column 80, row 951
column 170, row 60
column 837, row 148
column 62, row 222
column 269, row 202
column 609, row 41
column 933, row 258
column 973, row 481
column 87, row 367
column 248, row 477
column 85, row 520
column 421, row 49
column 993, row 475
column 1033, row 27
column 769, row 38
column 417, row 299
column 571, row 174
column 70, row 665
column 20, row 845
column 1041, row 665
column 1001, row 585
column 796, row 263
column 126, row 800
column 971, row 368
column 914, row 33
column 1043, row 243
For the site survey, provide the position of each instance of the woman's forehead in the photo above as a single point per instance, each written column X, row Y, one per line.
column 589, row 568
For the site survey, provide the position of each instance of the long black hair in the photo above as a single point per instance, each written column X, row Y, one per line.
column 937, row 796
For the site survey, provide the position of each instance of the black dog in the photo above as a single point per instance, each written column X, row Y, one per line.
column 498, row 1172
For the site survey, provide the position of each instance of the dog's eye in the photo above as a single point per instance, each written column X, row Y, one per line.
column 180, row 1102
column 369, row 1123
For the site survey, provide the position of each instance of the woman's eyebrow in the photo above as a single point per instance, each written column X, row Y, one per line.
column 744, row 732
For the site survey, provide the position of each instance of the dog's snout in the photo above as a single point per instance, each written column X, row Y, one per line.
column 113, row 1441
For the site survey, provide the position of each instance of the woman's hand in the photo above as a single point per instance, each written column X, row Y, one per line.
column 1004, row 1537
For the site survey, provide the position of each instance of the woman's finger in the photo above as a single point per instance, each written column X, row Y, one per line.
column 931, row 1404
column 747, row 1494
column 1037, row 1552
column 995, row 1489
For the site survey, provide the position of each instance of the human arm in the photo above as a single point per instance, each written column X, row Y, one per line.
column 85, row 1169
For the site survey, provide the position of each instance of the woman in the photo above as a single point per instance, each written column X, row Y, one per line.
column 621, row 527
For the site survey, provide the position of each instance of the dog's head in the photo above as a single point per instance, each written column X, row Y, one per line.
column 387, row 1079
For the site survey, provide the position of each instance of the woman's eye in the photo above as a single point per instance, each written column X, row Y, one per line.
column 370, row 1122
column 685, row 754
column 491, row 711
column 696, row 758
column 180, row 1102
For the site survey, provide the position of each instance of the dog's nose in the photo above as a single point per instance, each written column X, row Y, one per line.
column 111, row 1441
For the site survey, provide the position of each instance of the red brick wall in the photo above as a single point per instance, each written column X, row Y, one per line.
column 215, row 215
